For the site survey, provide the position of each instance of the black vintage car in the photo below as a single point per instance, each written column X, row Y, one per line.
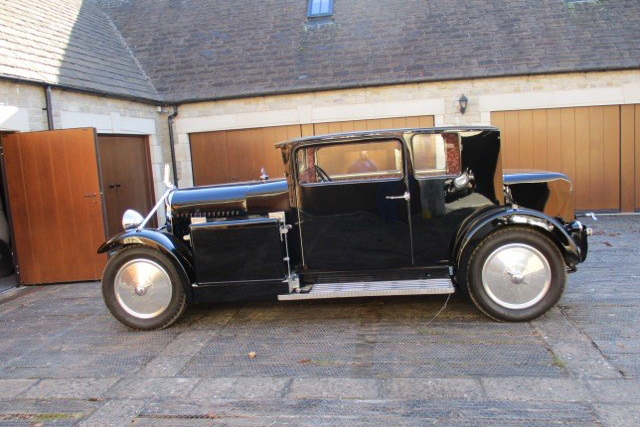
column 376, row 213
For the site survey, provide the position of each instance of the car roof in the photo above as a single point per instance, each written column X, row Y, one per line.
column 376, row 134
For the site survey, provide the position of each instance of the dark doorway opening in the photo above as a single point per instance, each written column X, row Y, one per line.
column 8, row 278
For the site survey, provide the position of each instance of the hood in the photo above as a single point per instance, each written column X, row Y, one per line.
column 237, row 199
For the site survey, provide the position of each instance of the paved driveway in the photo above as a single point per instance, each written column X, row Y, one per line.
column 368, row 362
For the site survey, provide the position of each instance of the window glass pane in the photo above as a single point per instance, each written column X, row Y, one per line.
column 436, row 154
column 315, row 7
column 324, row 6
column 350, row 162
column 320, row 7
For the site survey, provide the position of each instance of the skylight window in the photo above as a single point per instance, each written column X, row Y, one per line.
column 320, row 8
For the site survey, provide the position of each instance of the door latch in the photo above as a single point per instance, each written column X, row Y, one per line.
column 406, row 196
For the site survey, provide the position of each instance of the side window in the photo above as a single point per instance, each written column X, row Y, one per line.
column 436, row 154
column 350, row 162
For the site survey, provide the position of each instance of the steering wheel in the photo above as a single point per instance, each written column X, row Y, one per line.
column 324, row 177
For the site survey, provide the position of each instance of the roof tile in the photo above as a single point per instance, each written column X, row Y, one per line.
column 72, row 43
column 196, row 49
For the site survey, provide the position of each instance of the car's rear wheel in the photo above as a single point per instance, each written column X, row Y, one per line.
column 143, row 288
column 516, row 274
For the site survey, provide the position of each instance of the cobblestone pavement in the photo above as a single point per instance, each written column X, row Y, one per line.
column 367, row 362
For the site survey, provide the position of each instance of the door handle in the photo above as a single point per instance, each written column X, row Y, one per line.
column 90, row 195
column 406, row 196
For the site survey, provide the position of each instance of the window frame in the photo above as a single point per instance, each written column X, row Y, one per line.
column 444, row 174
column 403, row 172
column 318, row 15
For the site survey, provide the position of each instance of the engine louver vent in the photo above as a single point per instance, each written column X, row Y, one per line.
column 211, row 214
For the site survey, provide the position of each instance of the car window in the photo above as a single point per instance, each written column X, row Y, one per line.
column 350, row 162
column 436, row 154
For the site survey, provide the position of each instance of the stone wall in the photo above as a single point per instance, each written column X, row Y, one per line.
column 21, row 107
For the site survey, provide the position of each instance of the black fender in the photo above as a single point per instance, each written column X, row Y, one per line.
column 165, row 242
column 473, row 231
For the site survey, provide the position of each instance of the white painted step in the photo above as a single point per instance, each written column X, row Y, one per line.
column 372, row 289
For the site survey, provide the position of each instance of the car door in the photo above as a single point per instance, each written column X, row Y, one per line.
column 439, row 204
column 354, row 205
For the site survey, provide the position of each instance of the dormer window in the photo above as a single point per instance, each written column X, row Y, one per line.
column 319, row 8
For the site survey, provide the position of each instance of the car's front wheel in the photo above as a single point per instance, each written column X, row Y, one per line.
column 516, row 274
column 143, row 288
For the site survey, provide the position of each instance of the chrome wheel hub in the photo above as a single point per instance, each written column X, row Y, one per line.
column 516, row 276
column 143, row 288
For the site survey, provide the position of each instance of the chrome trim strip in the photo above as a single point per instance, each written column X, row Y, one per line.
column 370, row 289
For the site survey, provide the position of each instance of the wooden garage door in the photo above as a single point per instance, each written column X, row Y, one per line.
column 126, row 177
column 582, row 142
column 54, row 198
column 630, row 157
column 238, row 155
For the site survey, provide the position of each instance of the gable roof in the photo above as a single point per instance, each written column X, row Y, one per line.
column 69, row 43
column 213, row 49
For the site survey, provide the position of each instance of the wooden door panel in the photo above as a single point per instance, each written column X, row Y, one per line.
column 539, row 139
column 54, row 199
column 126, row 176
column 630, row 157
column 553, row 129
column 611, row 155
column 582, row 142
column 207, row 167
column 637, row 157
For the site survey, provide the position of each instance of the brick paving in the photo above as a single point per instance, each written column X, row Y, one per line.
column 64, row 361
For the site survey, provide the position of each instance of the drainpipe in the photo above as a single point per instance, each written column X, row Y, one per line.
column 174, row 164
column 47, row 99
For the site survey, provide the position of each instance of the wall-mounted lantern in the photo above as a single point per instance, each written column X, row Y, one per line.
column 462, row 103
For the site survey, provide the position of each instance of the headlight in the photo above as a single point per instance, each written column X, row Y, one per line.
column 131, row 219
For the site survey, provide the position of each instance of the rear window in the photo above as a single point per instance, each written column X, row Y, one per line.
column 436, row 154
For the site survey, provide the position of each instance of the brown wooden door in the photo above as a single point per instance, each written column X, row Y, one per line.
column 238, row 155
column 126, row 177
column 582, row 142
column 54, row 198
column 630, row 157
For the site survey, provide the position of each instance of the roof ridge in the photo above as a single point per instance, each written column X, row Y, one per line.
column 160, row 97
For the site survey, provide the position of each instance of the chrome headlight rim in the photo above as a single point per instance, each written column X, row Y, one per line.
column 131, row 219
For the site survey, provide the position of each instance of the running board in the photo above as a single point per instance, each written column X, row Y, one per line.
column 373, row 289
